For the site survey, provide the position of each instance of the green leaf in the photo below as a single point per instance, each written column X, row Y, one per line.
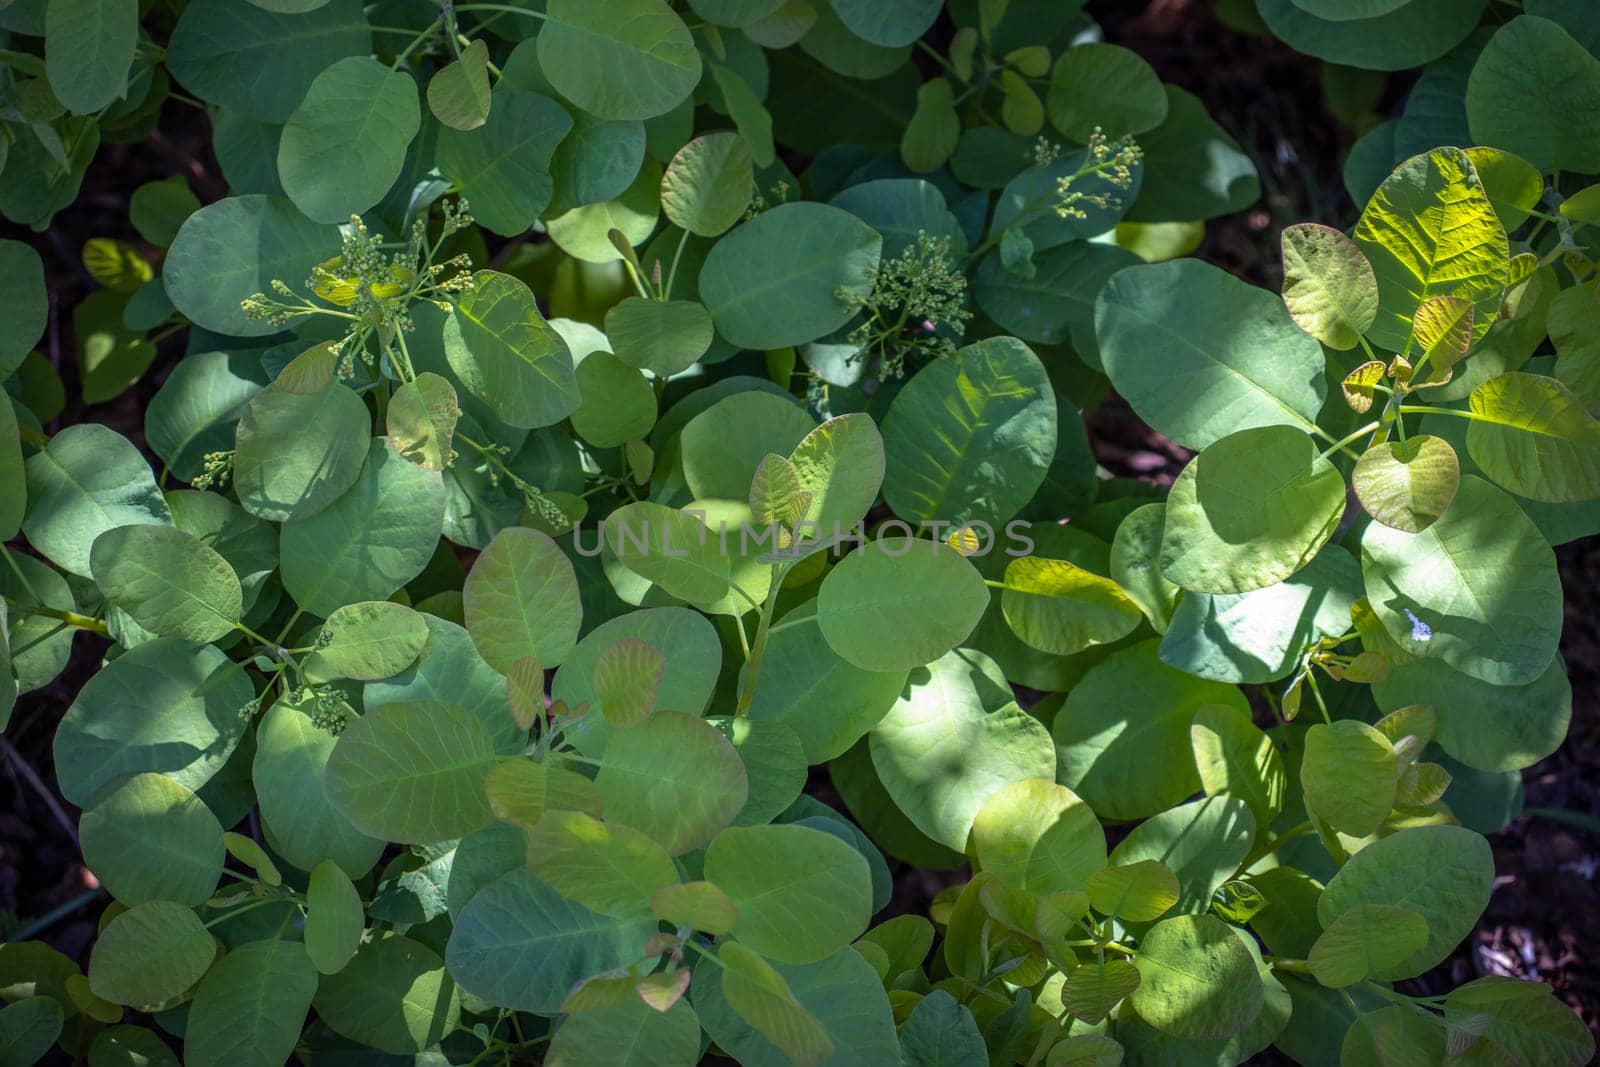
column 1202, row 842
column 394, row 995
column 250, row 1009
column 1171, row 332
column 13, row 479
column 297, row 453
column 632, row 61
column 1122, row 738
column 150, row 954
column 1442, row 873
column 299, row 821
column 1348, row 775
column 1104, row 88
column 597, row 161
column 1488, row 727
column 934, row 130
column 1235, row 758
column 1408, row 36
column 761, row 998
column 707, row 186
column 618, row 404
column 89, row 479
column 168, row 706
column 1249, row 511
column 503, row 167
column 1328, row 285
column 1363, row 940
column 1134, row 892
column 88, row 48
column 1061, row 608
column 924, row 591
column 629, row 1033
column 29, row 1028
column 370, row 541
column 1481, row 582
column 233, row 249
column 261, row 62
column 801, row 893
column 584, row 231
column 1524, row 1022
column 608, row 868
column 681, row 804
column 1091, row 991
column 1056, row 302
column 971, row 437
column 1430, row 231
column 1193, row 169
column 792, row 274
column 334, row 919
column 1533, row 437
column 24, row 303
column 1259, row 636
column 1197, row 981
column 158, row 209
column 940, row 1032
column 1407, row 484
column 664, row 337
column 720, row 447
column 413, row 772
column 149, row 838
column 421, row 421
column 368, row 641
column 506, row 354
column 346, row 142
column 197, row 409
column 521, row 600
column 889, row 23
column 954, row 740
column 699, row 905
column 458, row 93
column 1528, row 65
column 841, row 464
column 671, row 548
column 521, row 945
column 627, row 679
column 170, row 582
column 1037, row 836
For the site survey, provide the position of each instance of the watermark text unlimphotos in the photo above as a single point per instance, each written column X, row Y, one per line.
column 778, row 543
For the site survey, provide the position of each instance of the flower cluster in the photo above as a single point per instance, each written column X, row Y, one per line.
column 915, row 295
column 1110, row 161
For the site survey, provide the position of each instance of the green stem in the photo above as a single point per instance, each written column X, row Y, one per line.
column 759, row 647
column 1338, row 446
column 672, row 271
column 503, row 8
column 1429, row 409
column 31, row 65
column 68, row 618
column 241, row 909
column 1266, row 848
column 1291, row 966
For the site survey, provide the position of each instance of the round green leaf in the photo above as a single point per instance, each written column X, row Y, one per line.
column 699, row 905
column 1249, row 511
column 521, row 599
column 618, row 405
column 598, row 161
column 150, row 954
column 1328, row 285
column 889, row 23
column 841, row 464
column 251, row 1007
column 1488, row 727
column 167, row 706
column 1237, row 360
column 29, row 1028
column 801, row 893
column 1202, row 842
column 971, row 437
column 629, row 1033
column 413, row 772
column 171, row 582
column 197, row 407
column 149, row 838
column 506, row 354
column 707, row 186
column 369, row 641
column 1477, row 589
column 721, row 447
column 1038, row 836
column 370, row 541
column 23, row 301
column 1105, row 88
column 1533, row 436
column 924, row 593
column 297, row 453
column 502, row 168
column 607, row 867
column 421, row 421
column 458, row 94
column 634, row 59
column 89, row 46
column 1056, row 302
column 663, row 337
column 1122, row 738
column 1407, row 484
column 235, row 248
column 261, row 62
column 346, row 142
column 89, row 479
column 1135, row 892
column 451, row 670
column 1058, row 607
column 1348, row 775
column 954, row 739
column 790, row 275
column 334, row 919
column 585, row 231
column 1363, row 940
column 1407, row 36
column 1197, row 981
column 299, row 821
column 1528, row 63
column 684, row 802
column 394, row 995
column 521, row 945
column 1442, row 873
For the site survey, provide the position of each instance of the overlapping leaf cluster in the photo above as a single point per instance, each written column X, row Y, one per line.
column 777, row 268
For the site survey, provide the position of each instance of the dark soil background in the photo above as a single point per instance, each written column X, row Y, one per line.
column 1543, row 921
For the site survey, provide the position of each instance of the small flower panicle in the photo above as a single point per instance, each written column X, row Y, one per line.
column 216, row 469
column 1111, row 162
column 914, row 295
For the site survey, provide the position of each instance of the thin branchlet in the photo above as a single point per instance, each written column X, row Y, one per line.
column 917, row 300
